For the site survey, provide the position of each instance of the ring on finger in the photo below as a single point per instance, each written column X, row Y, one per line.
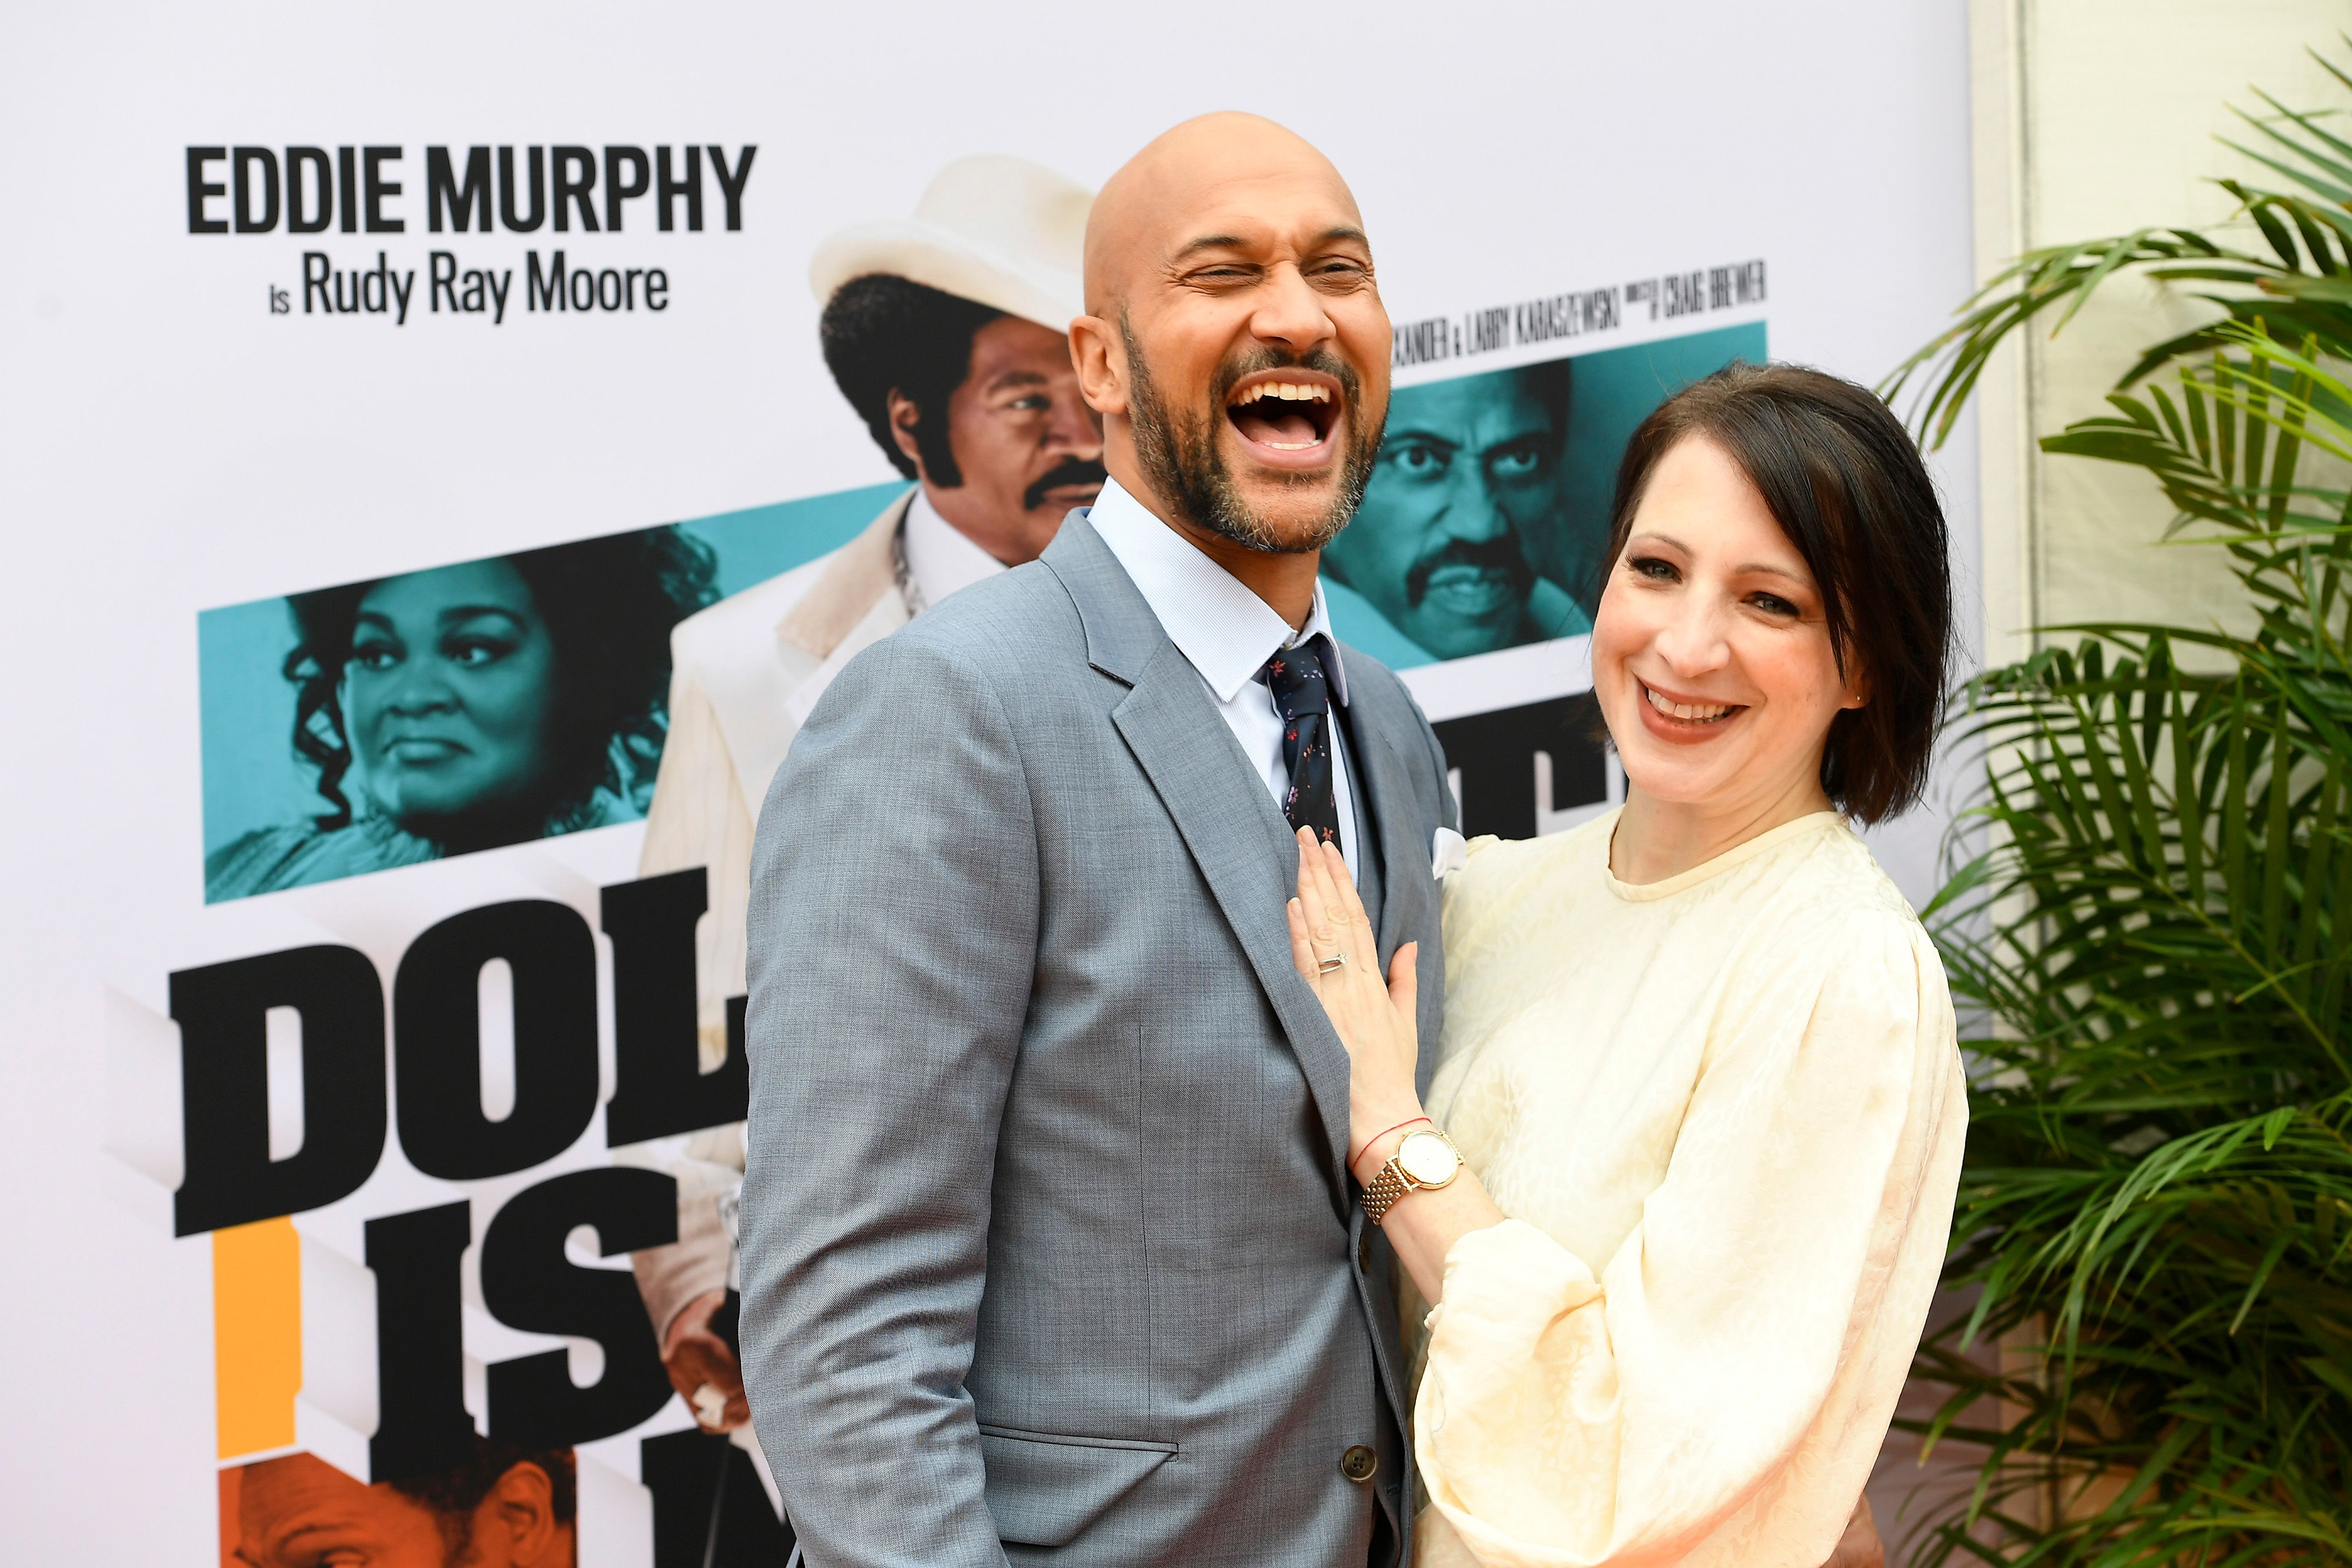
column 1336, row 962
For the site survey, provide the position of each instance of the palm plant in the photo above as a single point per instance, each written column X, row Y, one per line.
column 2158, row 1202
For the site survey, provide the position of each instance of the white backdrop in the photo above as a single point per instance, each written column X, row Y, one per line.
column 168, row 445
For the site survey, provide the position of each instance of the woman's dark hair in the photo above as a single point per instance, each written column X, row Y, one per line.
column 883, row 334
column 609, row 605
column 1843, row 479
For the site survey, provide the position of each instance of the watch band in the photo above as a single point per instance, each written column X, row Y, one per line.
column 1392, row 1182
column 1381, row 1193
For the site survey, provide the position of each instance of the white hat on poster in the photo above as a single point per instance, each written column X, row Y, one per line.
column 996, row 230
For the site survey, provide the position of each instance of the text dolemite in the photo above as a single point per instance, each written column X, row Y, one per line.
column 431, row 1096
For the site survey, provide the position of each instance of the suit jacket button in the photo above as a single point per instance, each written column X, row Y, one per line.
column 1359, row 1463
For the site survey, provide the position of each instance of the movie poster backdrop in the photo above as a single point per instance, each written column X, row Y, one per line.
column 329, row 717
column 1480, row 531
column 402, row 457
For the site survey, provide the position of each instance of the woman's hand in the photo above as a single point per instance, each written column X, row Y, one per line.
column 1375, row 1022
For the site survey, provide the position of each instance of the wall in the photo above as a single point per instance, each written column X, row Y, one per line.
column 2096, row 118
column 172, row 449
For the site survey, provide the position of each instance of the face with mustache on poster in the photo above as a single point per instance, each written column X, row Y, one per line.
column 1236, row 344
column 946, row 332
column 1468, row 472
column 1024, row 448
column 299, row 1511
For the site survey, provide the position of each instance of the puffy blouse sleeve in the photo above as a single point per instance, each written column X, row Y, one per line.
column 1718, row 1392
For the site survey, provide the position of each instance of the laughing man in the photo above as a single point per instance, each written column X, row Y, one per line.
column 1049, row 1251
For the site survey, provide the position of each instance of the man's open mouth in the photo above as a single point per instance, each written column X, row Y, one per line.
column 1471, row 579
column 1286, row 416
column 1472, row 593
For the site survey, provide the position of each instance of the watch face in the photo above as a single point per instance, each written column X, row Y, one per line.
column 1428, row 1159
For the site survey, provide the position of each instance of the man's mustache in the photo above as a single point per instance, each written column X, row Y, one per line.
column 1250, row 362
column 1501, row 553
column 1067, row 474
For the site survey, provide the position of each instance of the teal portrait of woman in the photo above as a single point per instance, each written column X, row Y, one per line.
column 467, row 706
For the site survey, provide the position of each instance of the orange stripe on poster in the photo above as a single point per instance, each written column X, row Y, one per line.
column 256, row 1334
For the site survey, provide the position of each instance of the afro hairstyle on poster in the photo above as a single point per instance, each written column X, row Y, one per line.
column 882, row 334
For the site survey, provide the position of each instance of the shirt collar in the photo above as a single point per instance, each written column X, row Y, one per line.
column 940, row 557
column 1225, row 631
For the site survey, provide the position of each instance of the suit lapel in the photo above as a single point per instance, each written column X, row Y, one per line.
column 1408, row 891
column 1245, row 854
column 1402, row 854
column 1221, row 810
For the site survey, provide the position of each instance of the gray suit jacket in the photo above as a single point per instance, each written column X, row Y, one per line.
column 1050, row 1254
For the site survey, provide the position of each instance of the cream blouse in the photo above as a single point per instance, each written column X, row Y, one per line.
column 1723, row 1112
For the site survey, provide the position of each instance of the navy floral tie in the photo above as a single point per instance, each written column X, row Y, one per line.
column 1302, row 695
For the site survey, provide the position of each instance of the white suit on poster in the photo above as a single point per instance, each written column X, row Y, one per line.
column 1001, row 233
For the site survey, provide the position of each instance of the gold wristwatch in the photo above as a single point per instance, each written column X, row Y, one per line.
column 1427, row 1158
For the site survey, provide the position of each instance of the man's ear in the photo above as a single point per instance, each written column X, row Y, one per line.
column 903, row 417
column 519, row 1515
column 1101, row 360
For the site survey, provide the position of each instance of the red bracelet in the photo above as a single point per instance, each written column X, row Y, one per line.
column 1376, row 1137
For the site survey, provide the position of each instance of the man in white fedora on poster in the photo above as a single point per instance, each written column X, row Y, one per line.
column 948, row 331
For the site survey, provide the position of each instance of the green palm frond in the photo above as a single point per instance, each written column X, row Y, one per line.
column 2159, row 1176
column 2299, row 281
column 2155, row 1214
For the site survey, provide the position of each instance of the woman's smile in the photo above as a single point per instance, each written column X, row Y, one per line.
column 1682, row 719
column 422, row 750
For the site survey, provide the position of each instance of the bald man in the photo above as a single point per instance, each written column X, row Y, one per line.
column 1050, row 1251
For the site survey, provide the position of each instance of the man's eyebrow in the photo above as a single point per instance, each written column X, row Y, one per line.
column 294, row 1532
column 1412, row 432
column 1018, row 379
column 1210, row 242
column 1339, row 232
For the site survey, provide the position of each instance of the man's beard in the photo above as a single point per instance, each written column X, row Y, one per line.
column 1187, row 466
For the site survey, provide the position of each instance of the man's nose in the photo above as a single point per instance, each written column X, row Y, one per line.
column 1290, row 313
column 1073, row 428
column 1472, row 513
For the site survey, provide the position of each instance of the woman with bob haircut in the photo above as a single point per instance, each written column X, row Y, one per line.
column 1673, row 1213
